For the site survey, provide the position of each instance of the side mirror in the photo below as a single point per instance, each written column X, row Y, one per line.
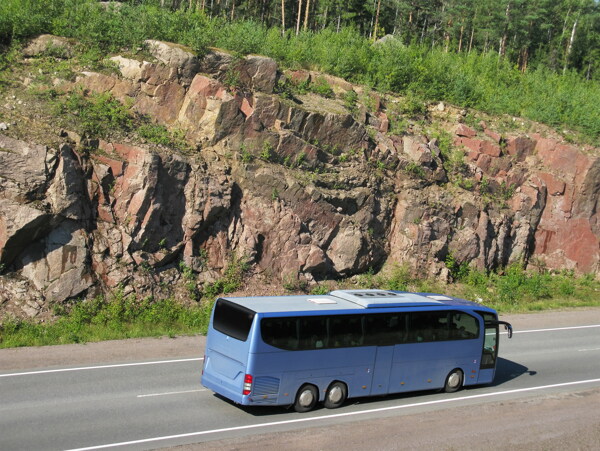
column 506, row 325
column 508, row 328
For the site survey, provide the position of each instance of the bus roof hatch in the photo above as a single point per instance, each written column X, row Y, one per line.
column 383, row 298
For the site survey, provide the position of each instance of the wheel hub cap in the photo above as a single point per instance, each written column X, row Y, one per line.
column 306, row 398
column 454, row 380
column 335, row 394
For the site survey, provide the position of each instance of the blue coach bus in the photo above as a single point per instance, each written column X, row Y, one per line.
column 300, row 350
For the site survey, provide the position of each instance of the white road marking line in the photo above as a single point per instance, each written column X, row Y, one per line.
column 338, row 415
column 592, row 349
column 552, row 329
column 170, row 393
column 61, row 370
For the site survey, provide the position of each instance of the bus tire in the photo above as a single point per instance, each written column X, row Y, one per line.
column 306, row 398
column 454, row 381
column 336, row 395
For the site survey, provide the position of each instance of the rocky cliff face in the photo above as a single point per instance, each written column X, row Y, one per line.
column 300, row 188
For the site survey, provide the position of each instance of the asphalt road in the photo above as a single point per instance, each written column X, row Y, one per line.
column 146, row 394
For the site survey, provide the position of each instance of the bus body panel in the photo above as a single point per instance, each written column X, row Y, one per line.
column 226, row 364
column 290, row 370
column 424, row 366
column 486, row 376
column 381, row 370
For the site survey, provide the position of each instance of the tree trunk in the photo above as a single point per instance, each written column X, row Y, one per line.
column 473, row 24
column 282, row 17
column 471, row 39
column 462, row 29
column 524, row 59
column 396, row 19
column 570, row 46
column 564, row 29
column 502, row 47
column 298, row 18
column 306, row 14
column 447, row 41
column 376, row 20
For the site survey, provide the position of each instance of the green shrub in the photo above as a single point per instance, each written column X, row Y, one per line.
column 97, row 114
column 350, row 99
column 322, row 88
column 159, row 134
column 231, row 280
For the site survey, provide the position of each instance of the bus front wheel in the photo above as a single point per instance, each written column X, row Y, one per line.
column 453, row 381
column 306, row 399
column 336, row 395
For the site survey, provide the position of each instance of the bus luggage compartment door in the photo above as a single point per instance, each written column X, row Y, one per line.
column 381, row 370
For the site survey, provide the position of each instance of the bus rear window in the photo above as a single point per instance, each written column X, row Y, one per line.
column 232, row 319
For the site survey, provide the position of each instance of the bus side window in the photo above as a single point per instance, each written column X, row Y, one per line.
column 345, row 331
column 385, row 329
column 280, row 332
column 463, row 326
column 313, row 333
column 428, row 326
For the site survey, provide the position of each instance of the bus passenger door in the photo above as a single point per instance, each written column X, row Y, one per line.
column 381, row 370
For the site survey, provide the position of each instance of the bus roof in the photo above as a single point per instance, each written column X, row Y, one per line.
column 357, row 300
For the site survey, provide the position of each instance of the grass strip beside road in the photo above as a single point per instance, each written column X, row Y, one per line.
column 119, row 316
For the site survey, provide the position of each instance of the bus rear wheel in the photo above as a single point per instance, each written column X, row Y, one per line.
column 453, row 381
column 306, row 399
column 336, row 395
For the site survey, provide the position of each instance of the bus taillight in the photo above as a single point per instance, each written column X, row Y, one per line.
column 247, row 384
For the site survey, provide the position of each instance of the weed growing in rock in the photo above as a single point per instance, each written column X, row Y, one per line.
column 246, row 155
column 189, row 279
column 300, row 158
column 412, row 106
column 322, row 88
column 458, row 270
column 415, row 170
column 159, row 134
column 293, row 282
column 350, row 99
column 231, row 281
column 320, row 289
column 267, row 153
column 284, row 88
column 96, row 115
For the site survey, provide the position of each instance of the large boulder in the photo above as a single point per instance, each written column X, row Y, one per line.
column 48, row 44
column 176, row 56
